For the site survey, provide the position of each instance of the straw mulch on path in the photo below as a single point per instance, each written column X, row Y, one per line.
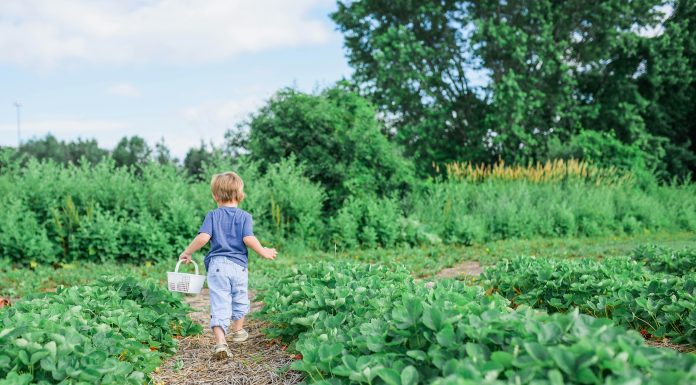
column 258, row 361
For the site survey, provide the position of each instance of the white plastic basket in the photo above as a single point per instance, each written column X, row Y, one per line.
column 185, row 283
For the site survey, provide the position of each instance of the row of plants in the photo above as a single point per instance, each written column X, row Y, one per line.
column 61, row 213
column 114, row 331
column 663, row 259
column 358, row 323
column 657, row 303
column 421, row 261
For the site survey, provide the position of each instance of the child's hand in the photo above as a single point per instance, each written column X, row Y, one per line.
column 185, row 257
column 269, row 253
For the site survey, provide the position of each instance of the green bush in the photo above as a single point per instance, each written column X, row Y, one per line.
column 286, row 205
column 368, row 222
column 21, row 236
column 60, row 213
column 463, row 212
column 337, row 135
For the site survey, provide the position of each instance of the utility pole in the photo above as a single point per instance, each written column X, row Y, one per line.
column 19, row 132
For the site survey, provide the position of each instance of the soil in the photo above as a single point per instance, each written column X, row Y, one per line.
column 257, row 361
column 472, row 268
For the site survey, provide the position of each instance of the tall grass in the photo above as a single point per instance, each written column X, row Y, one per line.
column 463, row 212
column 552, row 171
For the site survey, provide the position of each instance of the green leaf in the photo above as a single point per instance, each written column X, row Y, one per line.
column 409, row 376
column 555, row 377
column 23, row 356
column 432, row 318
column 38, row 356
column 418, row 355
column 586, row 376
column 503, row 358
column 446, row 337
column 389, row 375
column 329, row 351
column 51, row 348
column 537, row 351
column 564, row 359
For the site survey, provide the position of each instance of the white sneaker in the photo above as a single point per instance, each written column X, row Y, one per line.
column 240, row 335
column 222, row 352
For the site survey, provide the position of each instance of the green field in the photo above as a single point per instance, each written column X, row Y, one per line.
column 572, row 290
column 361, row 317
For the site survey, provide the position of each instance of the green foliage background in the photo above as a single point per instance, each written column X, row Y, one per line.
column 60, row 213
column 481, row 80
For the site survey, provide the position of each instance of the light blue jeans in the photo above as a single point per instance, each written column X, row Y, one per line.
column 228, row 283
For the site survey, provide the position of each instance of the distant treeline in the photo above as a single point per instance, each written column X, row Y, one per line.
column 131, row 151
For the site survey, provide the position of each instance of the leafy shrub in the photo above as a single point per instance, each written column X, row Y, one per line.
column 21, row 237
column 60, row 213
column 337, row 135
column 368, row 222
column 112, row 332
column 286, row 205
column 462, row 212
column 98, row 238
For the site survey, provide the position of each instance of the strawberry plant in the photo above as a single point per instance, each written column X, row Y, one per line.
column 111, row 332
column 356, row 323
column 662, row 259
column 618, row 288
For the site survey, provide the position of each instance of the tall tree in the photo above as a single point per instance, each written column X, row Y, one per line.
column 667, row 81
column 554, row 68
column 336, row 134
column 162, row 154
column 197, row 158
column 412, row 59
column 133, row 151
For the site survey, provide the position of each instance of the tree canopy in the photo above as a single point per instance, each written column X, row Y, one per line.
column 336, row 134
column 481, row 80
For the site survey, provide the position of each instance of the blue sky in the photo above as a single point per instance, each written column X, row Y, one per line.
column 159, row 69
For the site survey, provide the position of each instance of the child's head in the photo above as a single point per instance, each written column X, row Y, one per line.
column 227, row 187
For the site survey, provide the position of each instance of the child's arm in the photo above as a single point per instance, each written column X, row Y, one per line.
column 195, row 245
column 254, row 244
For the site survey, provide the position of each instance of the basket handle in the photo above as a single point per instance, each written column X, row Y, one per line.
column 176, row 269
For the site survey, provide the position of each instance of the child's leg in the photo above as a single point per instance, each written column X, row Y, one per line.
column 219, row 335
column 237, row 325
column 240, row 298
column 220, row 302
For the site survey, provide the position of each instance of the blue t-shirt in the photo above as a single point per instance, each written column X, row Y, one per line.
column 227, row 227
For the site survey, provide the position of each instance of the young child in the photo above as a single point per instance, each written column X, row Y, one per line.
column 230, row 232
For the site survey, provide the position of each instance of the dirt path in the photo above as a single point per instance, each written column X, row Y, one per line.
column 254, row 362
column 463, row 268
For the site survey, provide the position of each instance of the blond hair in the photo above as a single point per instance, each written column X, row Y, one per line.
column 227, row 187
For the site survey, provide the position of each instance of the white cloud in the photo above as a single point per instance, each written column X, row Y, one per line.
column 44, row 33
column 216, row 115
column 124, row 89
